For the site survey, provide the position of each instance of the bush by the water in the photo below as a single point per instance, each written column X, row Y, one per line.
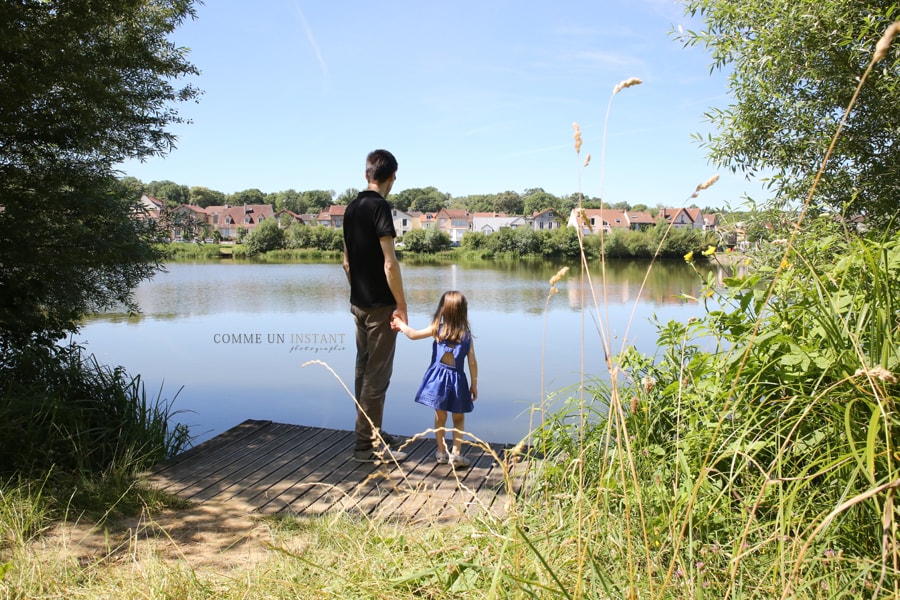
column 62, row 410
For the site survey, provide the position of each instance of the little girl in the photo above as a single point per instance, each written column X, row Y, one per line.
column 444, row 386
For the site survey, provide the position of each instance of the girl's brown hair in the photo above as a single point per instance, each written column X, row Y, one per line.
column 451, row 319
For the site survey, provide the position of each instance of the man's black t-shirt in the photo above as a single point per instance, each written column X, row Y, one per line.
column 367, row 219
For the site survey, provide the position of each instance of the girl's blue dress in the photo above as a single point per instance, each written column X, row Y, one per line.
column 446, row 387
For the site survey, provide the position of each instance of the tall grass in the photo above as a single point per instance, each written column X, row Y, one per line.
column 756, row 455
column 60, row 409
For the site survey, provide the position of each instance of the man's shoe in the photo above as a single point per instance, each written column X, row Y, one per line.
column 392, row 441
column 442, row 458
column 379, row 457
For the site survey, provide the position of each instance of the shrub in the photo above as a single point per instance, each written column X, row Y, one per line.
column 60, row 409
column 267, row 236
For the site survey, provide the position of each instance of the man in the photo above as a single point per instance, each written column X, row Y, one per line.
column 376, row 296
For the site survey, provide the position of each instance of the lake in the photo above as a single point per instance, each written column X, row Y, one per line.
column 231, row 341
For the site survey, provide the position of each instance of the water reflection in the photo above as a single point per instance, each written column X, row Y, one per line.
column 235, row 335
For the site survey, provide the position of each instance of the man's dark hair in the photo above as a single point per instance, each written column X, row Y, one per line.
column 380, row 165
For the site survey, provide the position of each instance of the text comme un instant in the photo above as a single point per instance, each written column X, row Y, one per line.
column 279, row 338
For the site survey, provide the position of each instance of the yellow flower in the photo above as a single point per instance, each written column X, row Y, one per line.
column 689, row 257
column 709, row 251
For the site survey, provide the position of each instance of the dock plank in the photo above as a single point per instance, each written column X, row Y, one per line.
column 277, row 468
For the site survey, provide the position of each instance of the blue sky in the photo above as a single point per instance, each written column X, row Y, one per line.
column 473, row 97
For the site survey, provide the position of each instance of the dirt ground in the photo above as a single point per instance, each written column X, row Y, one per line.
column 210, row 536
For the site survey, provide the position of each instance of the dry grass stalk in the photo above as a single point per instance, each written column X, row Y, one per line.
column 577, row 138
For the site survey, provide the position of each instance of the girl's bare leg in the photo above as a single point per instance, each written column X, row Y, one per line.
column 459, row 425
column 440, row 434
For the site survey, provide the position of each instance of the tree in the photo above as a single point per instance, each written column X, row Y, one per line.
column 476, row 203
column 428, row 199
column 267, row 236
column 173, row 193
column 317, row 200
column 795, row 66
column 203, row 196
column 83, row 86
column 538, row 200
column 509, row 203
column 250, row 196
column 347, row 196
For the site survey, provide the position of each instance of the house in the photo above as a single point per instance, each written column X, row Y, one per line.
column 228, row 220
column 188, row 222
column 489, row 223
column 595, row 220
column 426, row 220
column 333, row 216
column 682, row 218
column 639, row 220
column 710, row 222
column 454, row 222
column 545, row 220
column 404, row 222
column 286, row 218
column 152, row 208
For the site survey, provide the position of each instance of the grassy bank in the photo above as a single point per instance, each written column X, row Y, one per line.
column 764, row 465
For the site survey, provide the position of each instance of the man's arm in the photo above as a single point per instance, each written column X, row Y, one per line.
column 346, row 263
column 394, row 279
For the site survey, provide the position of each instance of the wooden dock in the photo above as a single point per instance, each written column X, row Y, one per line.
column 274, row 468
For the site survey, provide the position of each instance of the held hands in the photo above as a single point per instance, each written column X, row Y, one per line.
column 399, row 319
column 398, row 325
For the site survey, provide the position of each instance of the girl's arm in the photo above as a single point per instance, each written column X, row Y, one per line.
column 473, row 371
column 413, row 334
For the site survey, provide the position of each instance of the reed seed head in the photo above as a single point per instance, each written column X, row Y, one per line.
column 627, row 83
column 577, row 138
column 517, row 449
column 559, row 275
column 878, row 373
column 587, row 160
column 705, row 185
column 555, row 279
column 884, row 43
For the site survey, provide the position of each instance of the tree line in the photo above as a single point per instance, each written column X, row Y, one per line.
column 660, row 240
column 425, row 200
